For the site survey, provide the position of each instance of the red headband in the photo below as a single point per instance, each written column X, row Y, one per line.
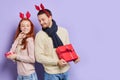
column 27, row 15
column 42, row 8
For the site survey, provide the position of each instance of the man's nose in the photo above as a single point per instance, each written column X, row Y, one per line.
column 41, row 22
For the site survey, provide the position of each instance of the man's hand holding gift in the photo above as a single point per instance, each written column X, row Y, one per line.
column 77, row 60
column 62, row 63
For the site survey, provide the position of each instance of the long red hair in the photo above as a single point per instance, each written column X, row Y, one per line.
column 30, row 34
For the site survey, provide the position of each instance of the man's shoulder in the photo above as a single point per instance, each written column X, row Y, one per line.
column 41, row 32
column 62, row 28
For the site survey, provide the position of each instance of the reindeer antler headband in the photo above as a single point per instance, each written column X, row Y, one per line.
column 42, row 8
column 27, row 15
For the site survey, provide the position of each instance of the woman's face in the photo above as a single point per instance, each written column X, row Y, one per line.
column 25, row 26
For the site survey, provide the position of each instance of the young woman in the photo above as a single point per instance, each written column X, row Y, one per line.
column 22, row 50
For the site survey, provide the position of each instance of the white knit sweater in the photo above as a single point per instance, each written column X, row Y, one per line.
column 45, row 52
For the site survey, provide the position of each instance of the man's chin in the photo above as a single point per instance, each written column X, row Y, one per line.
column 44, row 27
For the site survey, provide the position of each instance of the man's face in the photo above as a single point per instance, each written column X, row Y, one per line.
column 44, row 20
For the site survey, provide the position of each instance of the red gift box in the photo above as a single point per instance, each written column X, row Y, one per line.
column 8, row 53
column 67, row 53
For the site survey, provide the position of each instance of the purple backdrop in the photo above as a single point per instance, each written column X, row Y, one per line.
column 93, row 27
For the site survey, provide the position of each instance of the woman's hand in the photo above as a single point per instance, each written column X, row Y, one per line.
column 21, row 35
column 12, row 56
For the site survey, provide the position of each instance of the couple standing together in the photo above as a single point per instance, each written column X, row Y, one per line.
column 27, row 49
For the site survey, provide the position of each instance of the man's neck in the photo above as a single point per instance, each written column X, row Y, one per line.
column 50, row 24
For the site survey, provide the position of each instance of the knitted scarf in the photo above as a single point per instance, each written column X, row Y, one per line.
column 52, row 33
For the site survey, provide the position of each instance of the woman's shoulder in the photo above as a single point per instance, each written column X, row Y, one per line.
column 30, row 39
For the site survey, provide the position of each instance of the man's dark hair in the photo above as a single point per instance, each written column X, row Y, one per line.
column 43, row 12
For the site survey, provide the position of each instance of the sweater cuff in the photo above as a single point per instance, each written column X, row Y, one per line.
column 18, row 58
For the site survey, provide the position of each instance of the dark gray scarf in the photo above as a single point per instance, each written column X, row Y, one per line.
column 52, row 33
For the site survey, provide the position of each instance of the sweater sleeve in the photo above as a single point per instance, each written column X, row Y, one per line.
column 40, row 54
column 30, row 58
column 67, row 41
column 14, row 45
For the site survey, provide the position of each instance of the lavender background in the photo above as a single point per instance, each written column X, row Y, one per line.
column 94, row 29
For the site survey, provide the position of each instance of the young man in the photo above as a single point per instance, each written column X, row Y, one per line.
column 46, row 41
